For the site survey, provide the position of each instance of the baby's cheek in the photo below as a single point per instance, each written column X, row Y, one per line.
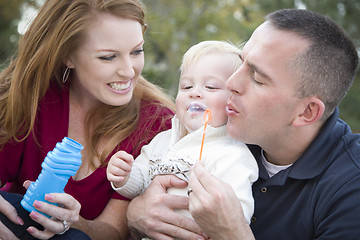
column 218, row 120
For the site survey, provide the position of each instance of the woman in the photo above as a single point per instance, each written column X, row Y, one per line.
column 77, row 73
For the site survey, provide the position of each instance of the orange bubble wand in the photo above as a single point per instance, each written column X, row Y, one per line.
column 207, row 116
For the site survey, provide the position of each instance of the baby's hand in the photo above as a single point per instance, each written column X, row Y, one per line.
column 119, row 168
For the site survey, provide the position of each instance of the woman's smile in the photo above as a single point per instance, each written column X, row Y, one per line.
column 120, row 86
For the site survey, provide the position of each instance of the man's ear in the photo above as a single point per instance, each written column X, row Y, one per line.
column 312, row 111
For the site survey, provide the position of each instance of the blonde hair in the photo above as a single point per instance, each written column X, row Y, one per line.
column 207, row 47
column 58, row 30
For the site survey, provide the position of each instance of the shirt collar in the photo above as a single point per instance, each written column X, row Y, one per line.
column 313, row 160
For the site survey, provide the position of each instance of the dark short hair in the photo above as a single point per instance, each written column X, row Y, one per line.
column 327, row 68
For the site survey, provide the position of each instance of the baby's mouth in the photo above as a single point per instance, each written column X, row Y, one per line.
column 196, row 107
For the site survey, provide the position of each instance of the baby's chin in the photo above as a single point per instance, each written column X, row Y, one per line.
column 193, row 127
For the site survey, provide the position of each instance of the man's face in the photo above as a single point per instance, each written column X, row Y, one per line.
column 263, row 104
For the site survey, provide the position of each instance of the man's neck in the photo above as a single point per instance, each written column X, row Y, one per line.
column 290, row 150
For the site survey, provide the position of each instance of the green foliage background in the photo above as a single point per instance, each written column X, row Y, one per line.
column 175, row 25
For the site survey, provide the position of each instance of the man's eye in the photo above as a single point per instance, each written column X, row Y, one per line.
column 137, row 52
column 253, row 78
column 256, row 81
column 109, row 58
column 241, row 57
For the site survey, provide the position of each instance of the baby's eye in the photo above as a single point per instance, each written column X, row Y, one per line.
column 107, row 58
column 211, row 87
column 187, row 87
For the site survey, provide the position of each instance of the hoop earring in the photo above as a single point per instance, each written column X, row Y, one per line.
column 66, row 75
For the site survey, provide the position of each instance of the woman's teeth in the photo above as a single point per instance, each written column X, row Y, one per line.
column 120, row 86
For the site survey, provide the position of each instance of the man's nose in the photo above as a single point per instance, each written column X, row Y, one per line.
column 236, row 83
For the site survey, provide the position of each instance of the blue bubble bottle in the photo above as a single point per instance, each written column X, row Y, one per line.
column 58, row 166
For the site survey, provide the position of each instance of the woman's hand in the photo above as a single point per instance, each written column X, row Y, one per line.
column 63, row 216
column 215, row 207
column 9, row 211
column 153, row 213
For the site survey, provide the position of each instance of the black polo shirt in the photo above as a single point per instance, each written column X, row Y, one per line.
column 318, row 197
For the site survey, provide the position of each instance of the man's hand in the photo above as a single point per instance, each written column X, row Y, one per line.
column 215, row 207
column 153, row 212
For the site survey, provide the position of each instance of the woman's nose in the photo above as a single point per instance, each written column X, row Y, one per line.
column 125, row 68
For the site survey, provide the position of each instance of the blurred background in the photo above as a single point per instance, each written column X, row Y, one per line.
column 175, row 25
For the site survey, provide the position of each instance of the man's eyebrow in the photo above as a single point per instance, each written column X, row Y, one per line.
column 258, row 71
column 254, row 68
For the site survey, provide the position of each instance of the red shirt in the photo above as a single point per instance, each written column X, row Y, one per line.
column 22, row 161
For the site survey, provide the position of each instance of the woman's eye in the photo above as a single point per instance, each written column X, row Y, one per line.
column 137, row 52
column 109, row 58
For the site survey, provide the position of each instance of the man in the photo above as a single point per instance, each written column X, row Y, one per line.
column 298, row 65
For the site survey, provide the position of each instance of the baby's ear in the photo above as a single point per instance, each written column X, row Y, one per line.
column 312, row 111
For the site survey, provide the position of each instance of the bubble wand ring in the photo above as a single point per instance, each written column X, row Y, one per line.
column 207, row 117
